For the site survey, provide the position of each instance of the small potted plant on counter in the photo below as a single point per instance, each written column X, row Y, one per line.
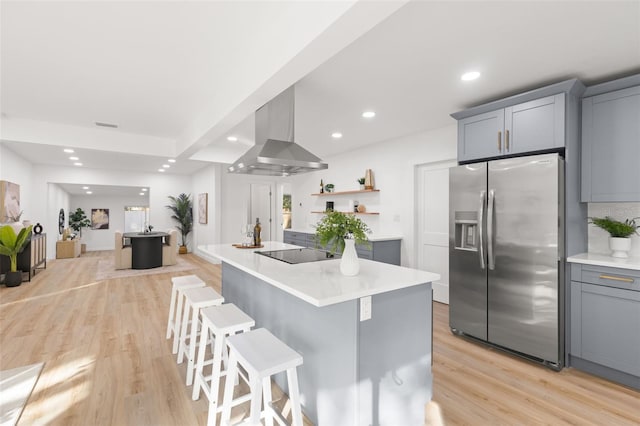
column 620, row 233
column 11, row 245
column 339, row 232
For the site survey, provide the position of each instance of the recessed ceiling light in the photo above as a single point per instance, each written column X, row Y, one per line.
column 471, row 75
column 232, row 138
column 161, row 170
column 73, row 158
column 336, row 135
column 166, row 166
column 142, row 193
column 85, row 187
column 143, row 189
column 68, row 150
column 102, row 124
column 77, row 164
column 89, row 192
column 368, row 114
column 171, row 160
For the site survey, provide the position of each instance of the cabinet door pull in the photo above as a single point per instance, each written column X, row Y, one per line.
column 506, row 140
column 611, row 277
column 499, row 141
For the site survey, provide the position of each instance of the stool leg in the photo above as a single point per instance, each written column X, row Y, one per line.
column 178, row 324
column 266, row 392
column 256, row 399
column 172, row 311
column 183, row 333
column 294, row 397
column 199, row 373
column 192, row 344
column 227, row 401
column 215, row 380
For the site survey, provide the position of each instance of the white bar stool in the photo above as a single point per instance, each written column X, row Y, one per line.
column 195, row 299
column 175, row 312
column 262, row 355
column 221, row 321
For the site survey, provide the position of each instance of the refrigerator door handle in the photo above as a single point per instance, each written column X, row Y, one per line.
column 490, row 259
column 483, row 195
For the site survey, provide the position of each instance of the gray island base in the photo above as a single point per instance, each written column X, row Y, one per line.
column 371, row 372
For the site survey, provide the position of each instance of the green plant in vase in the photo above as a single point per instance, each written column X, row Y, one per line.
column 335, row 227
column 182, row 209
column 79, row 220
column 619, row 232
column 12, row 245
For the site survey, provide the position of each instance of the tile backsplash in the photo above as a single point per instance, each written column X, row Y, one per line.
column 598, row 238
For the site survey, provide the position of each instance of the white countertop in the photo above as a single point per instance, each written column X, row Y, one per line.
column 319, row 283
column 371, row 237
column 605, row 260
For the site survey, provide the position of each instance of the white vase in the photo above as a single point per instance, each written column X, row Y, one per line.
column 620, row 247
column 349, row 265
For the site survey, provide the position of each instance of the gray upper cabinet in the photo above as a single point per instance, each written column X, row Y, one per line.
column 527, row 123
column 611, row 146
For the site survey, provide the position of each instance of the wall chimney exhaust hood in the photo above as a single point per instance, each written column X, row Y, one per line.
column 275, row 153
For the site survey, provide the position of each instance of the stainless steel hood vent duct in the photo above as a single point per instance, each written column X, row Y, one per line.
column 275, row 153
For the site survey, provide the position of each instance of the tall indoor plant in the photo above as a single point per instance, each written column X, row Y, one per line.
column 79, row 220
column 339, row 232
column 620, row 233
column 182, row 209
column 12, row 245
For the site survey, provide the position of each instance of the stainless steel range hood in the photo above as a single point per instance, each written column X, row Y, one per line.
column 275, row 153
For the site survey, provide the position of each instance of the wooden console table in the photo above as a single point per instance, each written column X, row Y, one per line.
column 32, row 258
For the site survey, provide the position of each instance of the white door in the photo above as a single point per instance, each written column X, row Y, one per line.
column 260, row 207
column 432, row 184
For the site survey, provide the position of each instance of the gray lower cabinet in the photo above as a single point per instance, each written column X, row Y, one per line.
column 536, row 125
column 387, row 251
column 605, row 322
column 611, row 146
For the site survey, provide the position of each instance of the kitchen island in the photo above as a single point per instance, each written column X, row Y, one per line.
column 355, row 372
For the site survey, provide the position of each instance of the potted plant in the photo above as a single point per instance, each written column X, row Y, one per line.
column 182, row 208
column 619, row 232
column 361, row 182
column 12, row 245
column 339, row 232
column 329, row 187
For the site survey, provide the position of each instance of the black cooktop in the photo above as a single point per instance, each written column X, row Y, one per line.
column 302, row 255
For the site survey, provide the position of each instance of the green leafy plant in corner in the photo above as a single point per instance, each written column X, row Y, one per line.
column 616, row 228
column 182, row 209
column 334, row 227
column 79, row 220
column 12, row 245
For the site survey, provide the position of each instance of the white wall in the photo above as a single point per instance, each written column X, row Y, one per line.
column 16, row 169
column 393, row 163
column 207, row 181
column 47, row 214
column 103, row 239
column 599, row 238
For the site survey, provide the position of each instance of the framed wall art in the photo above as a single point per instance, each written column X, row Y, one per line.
column 9, row 201
column 203, row 208
column 99, row 218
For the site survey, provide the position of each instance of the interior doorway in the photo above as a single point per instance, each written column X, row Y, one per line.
column 136, row 218
column 261, row 207
column 432, row 221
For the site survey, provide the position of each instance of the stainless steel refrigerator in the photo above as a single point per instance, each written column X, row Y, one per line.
column 506, row 250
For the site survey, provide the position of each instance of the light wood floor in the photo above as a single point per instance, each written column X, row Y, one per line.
column 107, row 361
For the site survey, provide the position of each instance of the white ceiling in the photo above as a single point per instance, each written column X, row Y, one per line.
column 189, row 72
column 107, row 191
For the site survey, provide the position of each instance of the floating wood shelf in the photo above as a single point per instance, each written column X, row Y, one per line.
column 371, row 213
column 358, row 191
